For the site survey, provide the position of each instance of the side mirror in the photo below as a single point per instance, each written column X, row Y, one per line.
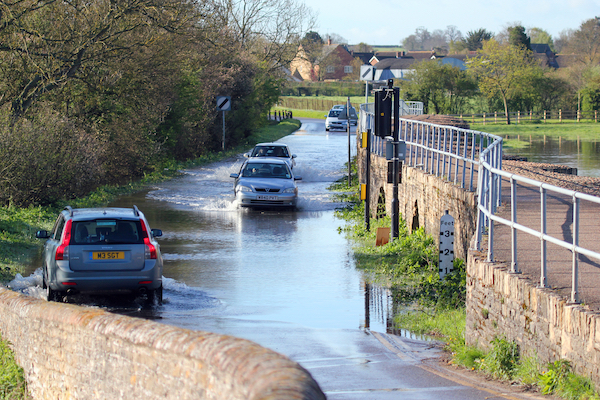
column 293, row 156
column 156, row 232
column 297, row 178
column 247, row 155
column 42, row 234
column 234, row 175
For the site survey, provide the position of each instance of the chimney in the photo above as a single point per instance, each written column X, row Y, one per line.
column 329, row 41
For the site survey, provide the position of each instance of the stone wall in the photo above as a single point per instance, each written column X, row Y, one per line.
column 423, row 199
column 498, row 304
column 501, row 304
column 73, row 352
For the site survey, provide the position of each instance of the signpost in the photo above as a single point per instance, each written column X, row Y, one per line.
column 223, row 104
column 446, row 264
column 367, row 74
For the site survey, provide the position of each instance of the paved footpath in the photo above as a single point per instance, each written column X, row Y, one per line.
column 559, row 224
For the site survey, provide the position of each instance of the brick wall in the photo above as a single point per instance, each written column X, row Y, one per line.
column 73, row 352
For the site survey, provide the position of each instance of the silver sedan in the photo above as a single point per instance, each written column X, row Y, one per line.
column 266, row 182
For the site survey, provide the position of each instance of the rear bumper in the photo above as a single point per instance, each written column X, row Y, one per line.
column 64, row 279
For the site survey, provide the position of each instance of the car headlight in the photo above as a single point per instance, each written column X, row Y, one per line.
column 241, row 188
column 290, row 190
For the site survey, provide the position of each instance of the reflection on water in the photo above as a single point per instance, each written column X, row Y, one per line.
column 583, row 155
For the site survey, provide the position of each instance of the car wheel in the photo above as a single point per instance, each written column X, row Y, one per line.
column 156, row 296
column 51, row 295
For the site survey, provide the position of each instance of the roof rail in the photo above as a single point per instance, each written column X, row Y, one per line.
column 136, row 212
column 68, row 208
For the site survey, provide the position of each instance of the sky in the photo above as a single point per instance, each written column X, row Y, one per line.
column 388, row 22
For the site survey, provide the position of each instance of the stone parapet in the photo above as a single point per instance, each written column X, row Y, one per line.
column 72, row 352
column 501, row 304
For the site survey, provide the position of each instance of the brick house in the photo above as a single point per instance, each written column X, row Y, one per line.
column 333, row 63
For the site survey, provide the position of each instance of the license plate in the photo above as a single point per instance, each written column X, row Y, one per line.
column 262, row 197
column 108, row 255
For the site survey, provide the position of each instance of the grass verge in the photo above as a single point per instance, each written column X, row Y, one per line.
column 570, row 131
column 12, row 382
column 303, row 113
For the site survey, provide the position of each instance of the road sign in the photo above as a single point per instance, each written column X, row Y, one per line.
column 367, row 72
column 223, row 103
column 446, row 244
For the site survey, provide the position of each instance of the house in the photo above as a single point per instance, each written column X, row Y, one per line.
column 401, row 65
column 334, row 62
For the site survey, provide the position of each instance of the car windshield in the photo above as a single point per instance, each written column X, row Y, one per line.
column 334, row 113
column 102, row 231
column 270, row 151
column 266, row 170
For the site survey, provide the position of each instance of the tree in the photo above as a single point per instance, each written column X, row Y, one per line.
column 475, row 39
column 563, row 40
column 270, row 31
column 441, row 85
column 364, row 48
column 538, row 35
column 503, row 70
column 44, row 45
column 518, row 37
column 312, row 44
column 336, row 39
column 585, row 42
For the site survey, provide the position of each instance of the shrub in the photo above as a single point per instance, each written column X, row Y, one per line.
column 45, row 159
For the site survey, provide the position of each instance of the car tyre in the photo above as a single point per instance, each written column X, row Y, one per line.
column 51, row 295
column 156, row 296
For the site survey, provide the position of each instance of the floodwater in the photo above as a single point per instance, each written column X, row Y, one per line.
column 225, row 266
column 580, row 154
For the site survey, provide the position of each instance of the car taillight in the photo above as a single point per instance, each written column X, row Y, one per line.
column 62, row 252
column 150, row 252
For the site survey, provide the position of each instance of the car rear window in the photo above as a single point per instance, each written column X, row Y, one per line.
column 102, row 231
column 270, row 151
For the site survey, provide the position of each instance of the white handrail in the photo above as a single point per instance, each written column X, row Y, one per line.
column 451, row 153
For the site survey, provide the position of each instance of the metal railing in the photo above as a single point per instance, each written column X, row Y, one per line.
column 457, row 155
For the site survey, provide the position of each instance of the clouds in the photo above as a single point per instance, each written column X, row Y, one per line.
column 387, row 23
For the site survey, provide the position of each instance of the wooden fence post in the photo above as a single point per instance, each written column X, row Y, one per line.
column 484, row 118
column 560, row 115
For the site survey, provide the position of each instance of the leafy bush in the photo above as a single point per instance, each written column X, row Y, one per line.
column 45, row 159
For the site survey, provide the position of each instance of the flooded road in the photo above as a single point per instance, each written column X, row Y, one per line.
column 283, row 279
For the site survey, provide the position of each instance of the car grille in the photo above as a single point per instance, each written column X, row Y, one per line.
column 267, row 190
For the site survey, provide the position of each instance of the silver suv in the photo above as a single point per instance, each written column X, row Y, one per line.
column 102, row 250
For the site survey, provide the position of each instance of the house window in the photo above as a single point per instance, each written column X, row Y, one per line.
column 330, row 69
column 348, row 69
